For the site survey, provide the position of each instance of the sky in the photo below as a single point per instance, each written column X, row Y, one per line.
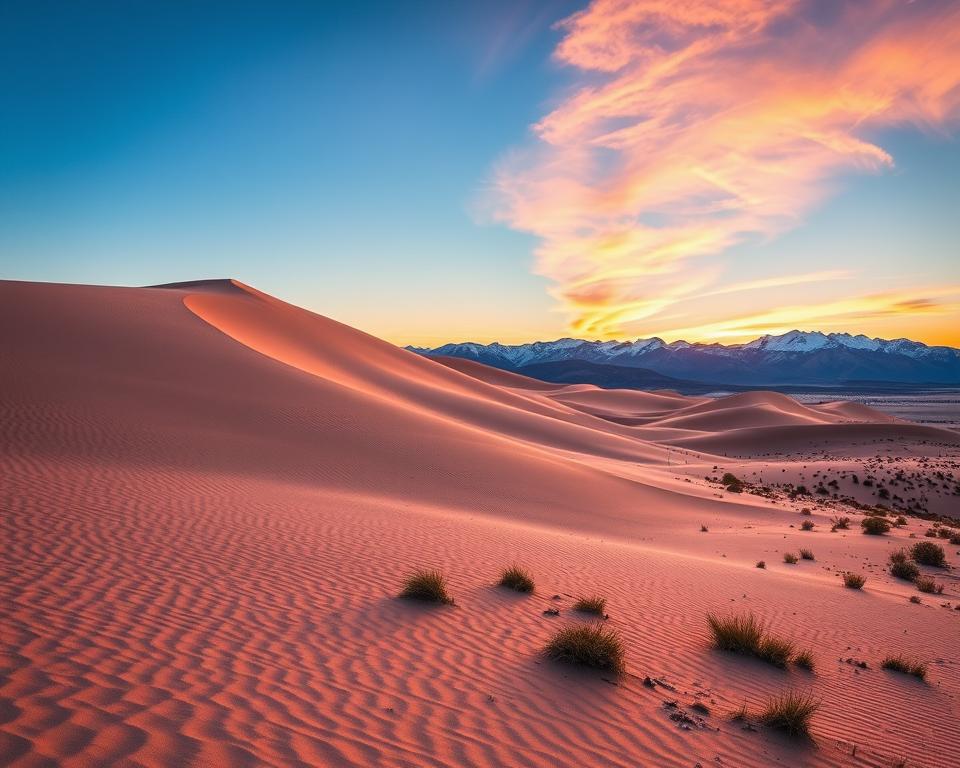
column 710, row 170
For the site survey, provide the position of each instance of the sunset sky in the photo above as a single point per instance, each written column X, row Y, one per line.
column 709, row 170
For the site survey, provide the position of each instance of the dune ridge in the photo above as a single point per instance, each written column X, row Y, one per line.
column 211, row 498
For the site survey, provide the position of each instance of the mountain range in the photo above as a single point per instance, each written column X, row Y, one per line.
column 794, row 358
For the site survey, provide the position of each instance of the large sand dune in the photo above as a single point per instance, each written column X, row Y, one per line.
column 210, row 499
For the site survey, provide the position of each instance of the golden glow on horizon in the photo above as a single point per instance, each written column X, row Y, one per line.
column 696, row 125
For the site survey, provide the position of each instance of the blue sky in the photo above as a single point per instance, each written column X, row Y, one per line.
column 338, row 157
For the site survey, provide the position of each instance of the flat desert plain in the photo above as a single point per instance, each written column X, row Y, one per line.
column 211, row 499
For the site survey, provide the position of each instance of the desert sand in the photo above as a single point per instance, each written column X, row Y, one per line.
column 211, row 499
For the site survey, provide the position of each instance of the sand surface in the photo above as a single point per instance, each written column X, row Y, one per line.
column 211, row 498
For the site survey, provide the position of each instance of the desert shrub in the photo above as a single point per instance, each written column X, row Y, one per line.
column 875, row 526
column 806, row 511
column 427, row 585
column 790, row 712
column 789, row 557
column 588, row 645
column 854, row 580
column 806, row 525
column 928, row 584
column 928, row 553
column 944, row 533
column 915, row 599
column 594, row 605
column 744, row 633
column 735, row 488
column 930, row 533
column 804, row 659
column 905, row 666
column 955, row 540
column 730, row 479
column 901, row 520
column 703, row 528
column 841, row 523
column 516, row 578
column 761, row 564
column 899, row 556
column 806, row 554
column 904, row 570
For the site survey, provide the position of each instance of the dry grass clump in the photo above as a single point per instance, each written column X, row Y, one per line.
column 900, row 521
column 427, row 585
column 928, row 553
column 804, row 659
column 761, row 564
column 840, row 524
column 806, row 554
column 790, row 712
column 854, row 580
column 789, row 557
column 744, row 633
column 595, row 605
column 901, row 567
column 875, row 526
column 589, row 645
column 517, row 579
column 928, row 584
column 905, row 666
column 807, row 525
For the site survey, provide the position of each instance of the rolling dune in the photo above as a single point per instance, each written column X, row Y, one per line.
column 211, row 499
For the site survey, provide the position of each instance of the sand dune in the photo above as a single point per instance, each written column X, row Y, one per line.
column 211, row 498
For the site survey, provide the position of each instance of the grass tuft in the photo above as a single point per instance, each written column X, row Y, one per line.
column 854, row 580
column 875, row 526
column 517, row 579
column 928, row 553
column 427, row 585
column 588, row 645
column 840, row 523
column 744, row 633
column 928, row 584
column 904, row 570
column 905, row 666
column 806, row 554
column 595, row 605
column 761, row 564
column 804, row 659
column 807, row 525
column 790, row 712
column 789, row 557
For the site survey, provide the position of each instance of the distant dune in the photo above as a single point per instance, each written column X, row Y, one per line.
column 211, row 499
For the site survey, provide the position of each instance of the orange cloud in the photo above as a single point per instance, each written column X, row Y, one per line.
column 699, row 123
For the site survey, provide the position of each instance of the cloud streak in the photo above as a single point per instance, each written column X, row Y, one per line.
column 694, row 125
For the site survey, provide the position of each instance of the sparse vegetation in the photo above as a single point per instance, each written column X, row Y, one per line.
column 703, row 529
column 804, row 659
column 517, row 579
column 840, row 524
column 807, row 525
column 427, row 585
column 915, row 599
column 900, row 521
column 595, row 605
column 928, row 553
column 589, row 645
column 744, row 633
column 730, row 479
column 905, row 666
column 761, row 564
column 904, row 569
column 928, row 584
column 806, row 554
column 790, row 712
column 790, row 558
column 875, row 526
column 854, row 580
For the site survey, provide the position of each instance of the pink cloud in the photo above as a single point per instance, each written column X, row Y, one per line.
column 695, row 124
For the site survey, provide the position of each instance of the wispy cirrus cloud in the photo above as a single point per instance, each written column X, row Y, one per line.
column 695, row 124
